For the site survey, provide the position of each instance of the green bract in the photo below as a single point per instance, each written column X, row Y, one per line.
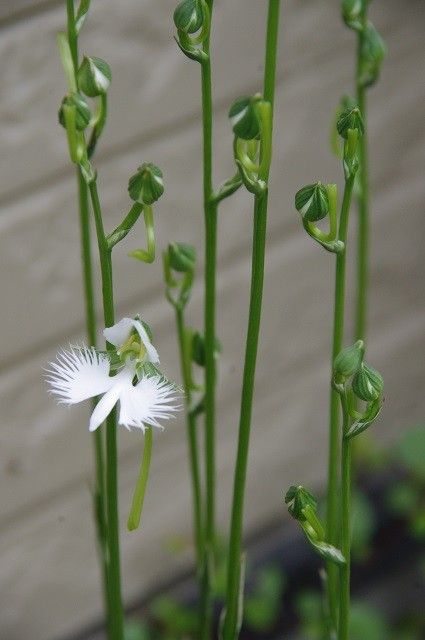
column 350, row 118
column 298, row 498
column 368, row 383
column 349, row 360
column 82, row 110
column 189, row 16
column 182, row 257
column 94, row 76
column 312, row 202
column 146, row 185
column 244, row 117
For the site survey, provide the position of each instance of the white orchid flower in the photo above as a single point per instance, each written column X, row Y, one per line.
column 81, row 373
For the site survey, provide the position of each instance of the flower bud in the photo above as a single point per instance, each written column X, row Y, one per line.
column 312, row 202
column 146, row 185
column 298, row 498
column 189, row 16
column 198, row 349
column 351, row 118
column 182, row 257
column 82, row 110
column 94, row 76
column 349, row 360
column 351, row 12
column 368, row 383
column 373, row 53
column 244, row 117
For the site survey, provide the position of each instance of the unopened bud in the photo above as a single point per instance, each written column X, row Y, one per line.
column 146, row 185
column 199, row 351
column 349, row 360
column 94, row 76
column 189, row 16
column 298, row 498
column 244, row 117
column 182, row 257
column 368, row 383
column 350, row 118
column 82, row 110
column 312, row 202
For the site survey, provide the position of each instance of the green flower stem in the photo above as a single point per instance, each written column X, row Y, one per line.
column 185, row 365
column 332, row 516
column 148, row 254
column 114, row 579
column 126, row 225
column 230, row 630
column 140, row 488
column 363, row 199
column 91, row 337
column 210, row 218
column 87, row 268
column 344, row 588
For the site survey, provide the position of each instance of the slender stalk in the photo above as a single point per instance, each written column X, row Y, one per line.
column 140, row 488
column 87, row 268
column 114, row 581
column 230, row 630
column 99, row 492
column 192, row 439
column 210, row 218
column 363, row 200
column 344, row 606
column 332, row 516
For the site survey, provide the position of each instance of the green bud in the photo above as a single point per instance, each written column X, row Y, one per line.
column 244, row 117
column 189, row 16
column 198, row 349
column 352, row 12
column 182, row 257
column 349, row 360
column 146, row 185
column 82, row 110
column 368, row 383
column 298, row 498
column 94, row 76
column 351, row 118
column 373, row 53
column 312, row 202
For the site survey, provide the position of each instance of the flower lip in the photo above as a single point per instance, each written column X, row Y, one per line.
column 120, row 332
column 82, row 373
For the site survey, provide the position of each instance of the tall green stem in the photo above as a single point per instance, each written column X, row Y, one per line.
column 114, row 582
column 363, row 200
column 192, row 438
column 210, row 217
column 332, row 516
column 84, row 222
column 230, row 630
column 344, row 598
column 99, row 492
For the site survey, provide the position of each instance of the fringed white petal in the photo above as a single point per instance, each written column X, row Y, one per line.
column 150, row 401
column 78, row 374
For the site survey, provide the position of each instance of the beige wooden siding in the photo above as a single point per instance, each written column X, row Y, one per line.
column 48, row 575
